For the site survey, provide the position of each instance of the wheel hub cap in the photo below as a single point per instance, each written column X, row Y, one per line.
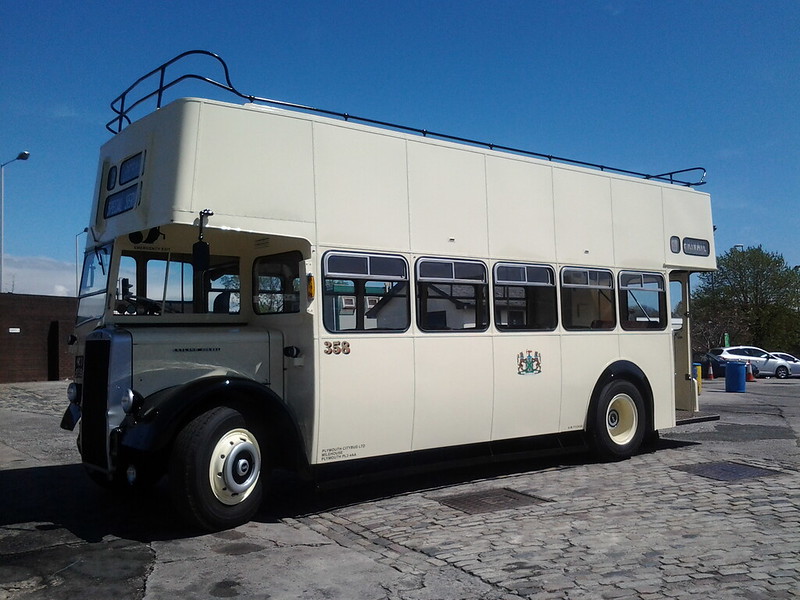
column 235, row 466
column 622, row 419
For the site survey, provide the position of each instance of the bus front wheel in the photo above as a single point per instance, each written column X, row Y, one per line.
column 216, row 468
column 618, row 420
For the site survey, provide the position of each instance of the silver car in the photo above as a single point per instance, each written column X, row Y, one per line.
column 768, row 364
column 794, row 362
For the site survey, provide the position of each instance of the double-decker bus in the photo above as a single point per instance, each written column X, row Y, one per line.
column 270, row 285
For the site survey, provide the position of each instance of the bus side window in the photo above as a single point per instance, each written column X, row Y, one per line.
column 642, row 300
column 365, row 292
column 524, row 297
column 221, row 285
column 587, row 299
column 452, row 295
column 276, row 283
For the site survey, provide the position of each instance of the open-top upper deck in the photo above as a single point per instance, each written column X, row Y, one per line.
column 295, row 172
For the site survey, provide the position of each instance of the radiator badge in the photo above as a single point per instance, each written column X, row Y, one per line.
column 529, row 363
column 197, row 349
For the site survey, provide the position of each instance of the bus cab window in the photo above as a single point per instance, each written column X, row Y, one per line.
column 276, row 281
column 221, row 288
column 156, row 283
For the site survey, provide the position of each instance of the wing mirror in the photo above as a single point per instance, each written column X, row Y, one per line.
column 201, row 251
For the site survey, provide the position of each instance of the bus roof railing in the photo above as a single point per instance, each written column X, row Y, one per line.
column 126, row 102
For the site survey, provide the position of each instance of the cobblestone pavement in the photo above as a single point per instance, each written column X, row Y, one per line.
column 645, row 529
column 713, row 511
column 650, row 527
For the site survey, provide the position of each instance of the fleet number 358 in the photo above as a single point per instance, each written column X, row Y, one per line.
column 337, row 348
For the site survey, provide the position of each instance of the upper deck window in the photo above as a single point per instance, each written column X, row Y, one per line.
column 131, row 168
column 129, row 172
column 111, row 178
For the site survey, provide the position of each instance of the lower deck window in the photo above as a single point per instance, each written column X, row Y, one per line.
column 452, row 295
column 642, row 301
column 365, row 292
column 587, row 299
column 524, row 297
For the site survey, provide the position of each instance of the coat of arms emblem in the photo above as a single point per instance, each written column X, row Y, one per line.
column 529, row 363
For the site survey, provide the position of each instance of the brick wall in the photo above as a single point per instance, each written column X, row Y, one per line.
column 33, row 337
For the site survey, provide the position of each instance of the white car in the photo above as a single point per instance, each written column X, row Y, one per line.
column 768, row 364
column 794, row 362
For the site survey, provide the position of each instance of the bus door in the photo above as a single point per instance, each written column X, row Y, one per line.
column 685, row 385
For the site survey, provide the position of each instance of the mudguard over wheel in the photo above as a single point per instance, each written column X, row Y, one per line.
column 215, row 470
column 618, row 421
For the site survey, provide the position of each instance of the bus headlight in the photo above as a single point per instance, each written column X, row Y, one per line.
column 127, row 401
column 73, row 393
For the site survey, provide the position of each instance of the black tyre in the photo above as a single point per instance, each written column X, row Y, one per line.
column 618, row 421
column 215, row 470
column 781, row 372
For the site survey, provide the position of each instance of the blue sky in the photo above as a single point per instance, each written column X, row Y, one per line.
column 646, row 86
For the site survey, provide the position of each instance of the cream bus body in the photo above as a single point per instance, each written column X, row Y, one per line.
column 325, row 192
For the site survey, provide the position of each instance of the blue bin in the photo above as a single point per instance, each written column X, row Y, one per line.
column 735, row 376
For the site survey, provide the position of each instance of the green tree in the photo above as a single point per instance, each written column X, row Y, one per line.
column 754, row 296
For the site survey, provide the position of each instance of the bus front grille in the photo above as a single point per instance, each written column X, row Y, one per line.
column 94, row 411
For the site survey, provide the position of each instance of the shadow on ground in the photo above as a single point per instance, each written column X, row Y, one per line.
column 63, row 496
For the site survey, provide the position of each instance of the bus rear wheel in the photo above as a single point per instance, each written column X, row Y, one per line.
column 215, row 470
column 618, row 421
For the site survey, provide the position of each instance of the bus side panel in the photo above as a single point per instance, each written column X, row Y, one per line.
column 687, row 214
column 366, row 398
column 527, row 385
column 584, row 233
column 652, row 353
column 520, row 210
column 453, row 391
column 361, row 183
column 638, row 225
column 254, row 164
column 584, row 357
column 447, row 199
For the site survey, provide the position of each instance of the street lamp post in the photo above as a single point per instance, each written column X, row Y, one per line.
column 21, row 156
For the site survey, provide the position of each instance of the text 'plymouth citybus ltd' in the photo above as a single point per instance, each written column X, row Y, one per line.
column 268, row 285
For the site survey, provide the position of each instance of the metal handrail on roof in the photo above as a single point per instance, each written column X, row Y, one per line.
column 122, row 106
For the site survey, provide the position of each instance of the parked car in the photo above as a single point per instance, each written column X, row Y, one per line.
column 794, row 362
column 767, row 363
column 716, row 365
